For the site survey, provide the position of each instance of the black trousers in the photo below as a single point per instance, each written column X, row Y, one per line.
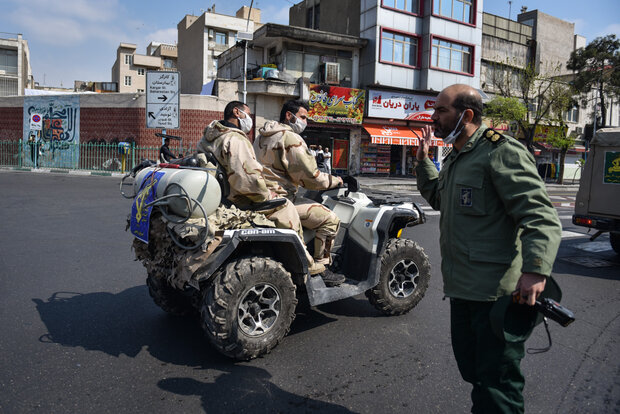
column 489, row 363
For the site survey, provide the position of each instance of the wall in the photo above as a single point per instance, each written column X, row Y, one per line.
column 555, row 39
column 120, row 117
column 191, row 49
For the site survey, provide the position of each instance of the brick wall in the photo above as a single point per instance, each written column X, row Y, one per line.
column 11, row 120
column 118, row 124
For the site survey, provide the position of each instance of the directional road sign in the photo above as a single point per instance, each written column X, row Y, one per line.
column 162, row 99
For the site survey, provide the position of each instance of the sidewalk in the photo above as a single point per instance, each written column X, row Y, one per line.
column 409, row 184
column 392, row 184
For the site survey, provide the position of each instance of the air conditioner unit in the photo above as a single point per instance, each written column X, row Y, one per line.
column 332, row 73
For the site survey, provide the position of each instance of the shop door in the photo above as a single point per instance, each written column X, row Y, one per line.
column 340, row 156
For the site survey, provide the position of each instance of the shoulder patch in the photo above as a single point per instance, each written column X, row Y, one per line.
column 493, row 136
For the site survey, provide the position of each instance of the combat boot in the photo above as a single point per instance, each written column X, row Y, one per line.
column 332, row 279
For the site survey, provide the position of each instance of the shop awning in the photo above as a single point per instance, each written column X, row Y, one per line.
column 397, row 135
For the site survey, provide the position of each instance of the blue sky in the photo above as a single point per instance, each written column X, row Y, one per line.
column 77, row 39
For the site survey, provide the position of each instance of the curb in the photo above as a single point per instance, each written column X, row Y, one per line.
column 59, row 171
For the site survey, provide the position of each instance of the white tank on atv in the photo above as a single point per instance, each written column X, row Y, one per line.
column 198, row 185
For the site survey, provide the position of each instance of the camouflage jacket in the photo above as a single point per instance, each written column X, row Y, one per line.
column 496, row 218
column 234, row 152
column 288, row 161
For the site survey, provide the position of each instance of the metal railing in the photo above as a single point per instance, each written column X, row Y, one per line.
column 105, row 157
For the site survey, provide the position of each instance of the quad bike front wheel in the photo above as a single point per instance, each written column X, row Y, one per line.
column 168, row 298
column 249, row 307
column 405, row 274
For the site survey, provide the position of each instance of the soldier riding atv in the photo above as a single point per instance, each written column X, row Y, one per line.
column 245, row 281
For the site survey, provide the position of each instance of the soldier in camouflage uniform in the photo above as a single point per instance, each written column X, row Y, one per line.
column 499, row 235
column 228, row 142
column 288, row 161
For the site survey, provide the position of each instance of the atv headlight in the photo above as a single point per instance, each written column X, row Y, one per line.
column 399, row 233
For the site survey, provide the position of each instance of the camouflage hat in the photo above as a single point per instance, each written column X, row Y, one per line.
column 514, row 322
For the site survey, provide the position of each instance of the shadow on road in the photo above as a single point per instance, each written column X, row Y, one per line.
column 253, row 393
column 127, row 322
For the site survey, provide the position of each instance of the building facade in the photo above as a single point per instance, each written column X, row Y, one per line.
column 129, row 70
column 201, row 40
column 287, row 62
column 15, row 70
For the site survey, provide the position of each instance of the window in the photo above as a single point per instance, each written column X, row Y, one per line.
column 313, row 15
column 461, row 10
column 8, row 60
column 409, row 6
column 128, row 59
column 221, row 38
column 140, row 90
column 141, row 71
column 399, row 48
column 127, row 80
column 572, row 115
column 451, row 56
column 168, row 64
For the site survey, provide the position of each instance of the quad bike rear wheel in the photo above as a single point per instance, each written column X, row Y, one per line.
column 405, row 274
column 168, row 298
column 249, row 307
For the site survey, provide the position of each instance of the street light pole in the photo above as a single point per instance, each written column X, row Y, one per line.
column 245, row 56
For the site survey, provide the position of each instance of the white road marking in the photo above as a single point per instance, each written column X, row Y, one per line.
column 571, row 234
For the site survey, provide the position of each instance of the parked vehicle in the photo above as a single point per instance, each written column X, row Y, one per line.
column 598, row 200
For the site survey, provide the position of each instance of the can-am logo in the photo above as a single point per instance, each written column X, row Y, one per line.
column 250, row 232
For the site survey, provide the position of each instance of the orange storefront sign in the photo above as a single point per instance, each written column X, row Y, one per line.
column 397, row 135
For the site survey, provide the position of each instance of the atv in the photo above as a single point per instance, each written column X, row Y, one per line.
column 244, row 278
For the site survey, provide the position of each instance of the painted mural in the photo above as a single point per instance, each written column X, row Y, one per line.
column 51, row 131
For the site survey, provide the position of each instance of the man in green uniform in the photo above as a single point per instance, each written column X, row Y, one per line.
column 499, row 234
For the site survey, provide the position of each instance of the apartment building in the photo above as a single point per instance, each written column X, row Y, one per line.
column 201, row 41
column 415, row 48
column 129, row 69
column 15, row 70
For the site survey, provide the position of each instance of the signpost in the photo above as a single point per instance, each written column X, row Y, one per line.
column 162, row 99
column 36, row 122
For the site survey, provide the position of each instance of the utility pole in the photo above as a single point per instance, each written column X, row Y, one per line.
column 509, row 8
column 245, row 56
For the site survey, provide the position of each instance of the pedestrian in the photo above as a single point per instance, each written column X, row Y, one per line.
column 288, row 161
column 165, row 154
column 228, row 142
column 327, row 160
column 499, row 235
column 320, row 159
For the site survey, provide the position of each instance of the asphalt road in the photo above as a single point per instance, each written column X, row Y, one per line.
column 80, row 333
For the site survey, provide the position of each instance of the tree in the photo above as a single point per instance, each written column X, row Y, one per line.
column 544, row 93
column 596, row 68
column 558, row 139
column 501, row 109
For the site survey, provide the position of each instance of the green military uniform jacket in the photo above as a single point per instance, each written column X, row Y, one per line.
column 496, row 222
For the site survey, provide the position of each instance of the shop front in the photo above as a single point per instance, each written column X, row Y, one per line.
column 390, row 149
column 334, row 122
column 392, row 130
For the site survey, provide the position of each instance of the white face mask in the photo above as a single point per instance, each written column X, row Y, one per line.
column 454, row 134
column 245, row 123
column 298, row 126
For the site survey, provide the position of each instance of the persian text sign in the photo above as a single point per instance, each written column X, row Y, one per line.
column 394, row 105
column 162, row 99
column 334, row 104
column 611, row 175
column 544, row 132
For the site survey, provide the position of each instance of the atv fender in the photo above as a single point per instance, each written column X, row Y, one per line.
column 390, row 221
column 280, row 244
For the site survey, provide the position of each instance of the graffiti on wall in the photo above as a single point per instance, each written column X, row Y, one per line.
column 56, row 142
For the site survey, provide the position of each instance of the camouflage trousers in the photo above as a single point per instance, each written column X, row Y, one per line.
column 286, row 217
column 323, row 221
